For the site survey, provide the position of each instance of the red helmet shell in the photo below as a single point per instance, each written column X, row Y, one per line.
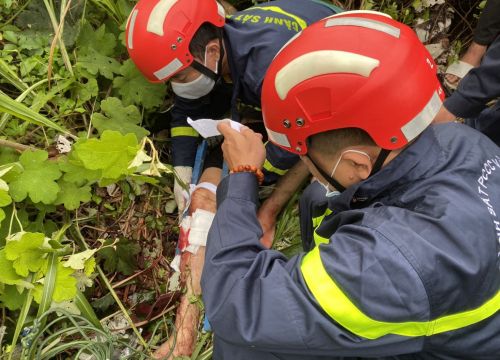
column 158, row 34
column 354, row 69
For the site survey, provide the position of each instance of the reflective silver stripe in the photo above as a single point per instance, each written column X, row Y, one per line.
column 321, row 62
column 418, row 124
column 158, row 15
column 355, row 12
column 366, row 23
column 220, row 10
column 168, row 70
column 278, row 138
column 131, row 27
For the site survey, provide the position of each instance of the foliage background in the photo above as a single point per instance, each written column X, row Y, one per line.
column 86, row 236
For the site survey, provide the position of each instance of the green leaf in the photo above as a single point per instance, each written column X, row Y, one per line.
column 5, row 198
column 120, row 258
column 26, row 253
column 135, row 89
column 112, row 153
column 71, row 195
column 84, row 91
column 64, row 288
column 94, row 62
column 37, row 180
column 75, row 171
column 98, row 40
column 119, row 118
column 77, row 261
column 96, row 49
column 8, row 275
column 12, row 298
column 89, row 266
column 23, row 112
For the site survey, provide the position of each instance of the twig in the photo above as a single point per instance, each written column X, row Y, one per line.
column 15, row 145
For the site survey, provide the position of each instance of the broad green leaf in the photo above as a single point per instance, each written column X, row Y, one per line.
column 111, row 153
column 12, row 298
column 121, row 258
column 37, row 180
column 64, row 288
column 84, row 91
column 76, row 172
column 119, row 118
column 77, row 261
column 71, row 195
column 5, row 198
column 94, row 62
column 135, row 89
column 96, row 49
column 8, row 275
column 100, row 40
column 89, row 266
column 26, row 253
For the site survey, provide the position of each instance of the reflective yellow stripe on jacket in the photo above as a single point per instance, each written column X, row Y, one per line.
column 183, row 131
column 340, row 308
column 279, row 10
column 271, row 168
column 316, row 221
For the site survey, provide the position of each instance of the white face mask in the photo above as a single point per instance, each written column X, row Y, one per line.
column 329, row 192
column 197, row 88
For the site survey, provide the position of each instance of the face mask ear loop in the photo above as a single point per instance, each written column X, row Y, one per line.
column 206, row 71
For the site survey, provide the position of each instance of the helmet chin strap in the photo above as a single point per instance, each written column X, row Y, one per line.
column 382, row 155
column 209, row 72
column 336, row 185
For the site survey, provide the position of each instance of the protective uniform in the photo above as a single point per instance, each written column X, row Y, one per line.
column 252, row 38
column 481, row 85
column 402, row 265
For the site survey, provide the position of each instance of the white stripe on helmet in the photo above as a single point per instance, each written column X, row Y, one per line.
column 158, row 16
column 131, row 20
column 356, row 12
column 168, row 70
column 321, row 63
column 366, row 23
column 418, row 124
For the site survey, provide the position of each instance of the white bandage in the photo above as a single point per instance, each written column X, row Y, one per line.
column 201, row 221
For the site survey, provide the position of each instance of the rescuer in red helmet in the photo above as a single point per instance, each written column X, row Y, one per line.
column 403, row 262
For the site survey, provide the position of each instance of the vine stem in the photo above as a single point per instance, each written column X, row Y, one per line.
column 15, row 145
column 104, row 278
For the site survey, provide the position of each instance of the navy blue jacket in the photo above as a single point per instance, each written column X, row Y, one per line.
column 476, row 89
column 252, row 39
column 417, row 242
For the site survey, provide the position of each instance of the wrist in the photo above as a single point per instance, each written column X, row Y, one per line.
column 251, row 169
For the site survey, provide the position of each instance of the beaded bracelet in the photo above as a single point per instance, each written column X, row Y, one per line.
column 249, row 168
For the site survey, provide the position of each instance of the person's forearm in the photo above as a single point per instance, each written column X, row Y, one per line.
column 285, row 188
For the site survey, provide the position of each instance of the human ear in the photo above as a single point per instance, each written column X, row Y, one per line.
column 360, row 165
column 213, row 51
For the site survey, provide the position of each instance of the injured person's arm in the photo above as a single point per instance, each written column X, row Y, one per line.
column 187, row 320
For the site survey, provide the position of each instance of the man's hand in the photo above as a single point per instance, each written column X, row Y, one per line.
column 184, row 174
column 242, row 148
column 443, row 116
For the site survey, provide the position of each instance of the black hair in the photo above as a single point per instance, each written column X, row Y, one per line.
column 331, row 142
column 206, row 33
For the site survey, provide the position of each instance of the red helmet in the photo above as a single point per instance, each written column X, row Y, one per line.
column 158, row 33
column 354, row 69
